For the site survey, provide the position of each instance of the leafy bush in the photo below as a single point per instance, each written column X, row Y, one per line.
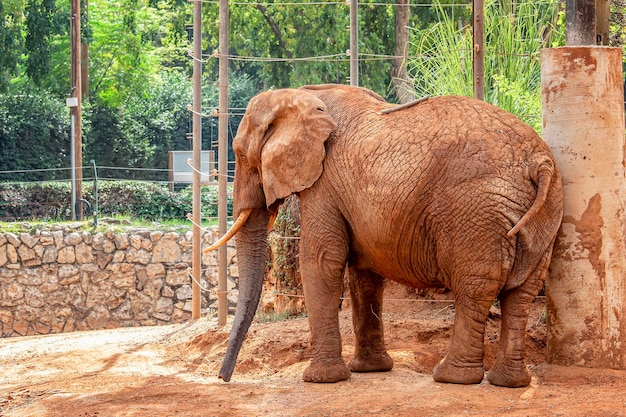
column 34, row 134
column 141, row 200
column 29, row 201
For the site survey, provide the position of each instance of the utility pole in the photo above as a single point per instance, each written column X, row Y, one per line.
column 196, row 261
column 354, row 42
column 478, row 11
column 76, row 111
column 222, row 169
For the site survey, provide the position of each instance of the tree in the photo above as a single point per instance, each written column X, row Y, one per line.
column 10, row 41
column 34, row 135
column 41, row 24
column 399, row 75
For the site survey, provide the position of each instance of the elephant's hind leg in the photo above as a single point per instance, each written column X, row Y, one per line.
column 509, row 369
column 474, row 295
column 366, row 291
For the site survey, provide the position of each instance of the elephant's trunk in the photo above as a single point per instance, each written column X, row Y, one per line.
column 252, row 253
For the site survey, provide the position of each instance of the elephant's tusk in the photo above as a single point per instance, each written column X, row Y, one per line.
column 272, row 220
column 241, row 220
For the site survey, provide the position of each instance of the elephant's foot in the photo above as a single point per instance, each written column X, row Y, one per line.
column 371, row 362
column 326, row 371
column 445, row 371
column 513, row 374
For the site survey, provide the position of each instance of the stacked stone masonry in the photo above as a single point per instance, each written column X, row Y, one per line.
column 62, row 280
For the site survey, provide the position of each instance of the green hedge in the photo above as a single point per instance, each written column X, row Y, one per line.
column 136, row 199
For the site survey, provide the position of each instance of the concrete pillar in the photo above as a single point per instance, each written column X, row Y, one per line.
column 583, row 123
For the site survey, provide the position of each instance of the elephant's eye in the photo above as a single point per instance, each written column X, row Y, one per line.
column 320, row 109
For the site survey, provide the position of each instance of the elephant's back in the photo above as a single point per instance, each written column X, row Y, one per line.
column 448, row 170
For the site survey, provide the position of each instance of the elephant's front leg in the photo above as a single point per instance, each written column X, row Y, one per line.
column 366, row 291
column 323, row 255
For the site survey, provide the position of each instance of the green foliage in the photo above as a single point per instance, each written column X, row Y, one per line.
column 284, row 242
column 139, row 200
column 33, row 135
column 291, row 34
column 35, row 201
column 42, row 21
column 514, row 35
column 10, row 41
column 103, row 137
column 158, row 122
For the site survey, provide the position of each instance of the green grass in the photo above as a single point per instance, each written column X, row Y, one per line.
column 514, row 35
column 118, row 224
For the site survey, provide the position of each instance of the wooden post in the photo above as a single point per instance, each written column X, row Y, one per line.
column 583, row 118
column 196, row 259
column 222, row 213
column 478, row 12
column 84, row 61
column 603, row 14
column 580, row 22
column 354, row 42
column 76, row 82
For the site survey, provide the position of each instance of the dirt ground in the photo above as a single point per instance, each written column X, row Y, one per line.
column 171, row 371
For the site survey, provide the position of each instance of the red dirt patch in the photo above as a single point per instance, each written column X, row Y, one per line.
column 171, row 370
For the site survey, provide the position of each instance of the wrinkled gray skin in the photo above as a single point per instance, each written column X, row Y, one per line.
column 451, row 192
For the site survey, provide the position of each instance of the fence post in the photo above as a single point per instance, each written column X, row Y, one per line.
column 478, row 11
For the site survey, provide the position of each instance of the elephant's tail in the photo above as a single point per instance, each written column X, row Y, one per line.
column 542, row 176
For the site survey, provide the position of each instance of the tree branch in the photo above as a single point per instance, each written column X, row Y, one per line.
column 274, row 26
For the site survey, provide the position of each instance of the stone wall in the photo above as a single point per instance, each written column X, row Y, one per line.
column 63, row 280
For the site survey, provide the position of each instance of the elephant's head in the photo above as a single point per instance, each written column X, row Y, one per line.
column 279, row 151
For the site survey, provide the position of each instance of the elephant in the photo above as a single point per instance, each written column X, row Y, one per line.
column 450, row 192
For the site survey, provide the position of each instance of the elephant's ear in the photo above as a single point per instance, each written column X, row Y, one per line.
column 293, row 155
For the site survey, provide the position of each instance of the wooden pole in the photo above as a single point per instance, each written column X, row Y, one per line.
column 196, row 261
column 84, row 63
column 583, row 123
column 75, row 51
column 580, row 22
column 354, row 42
column 479, row 49
column 603, row 14
column 222, row 213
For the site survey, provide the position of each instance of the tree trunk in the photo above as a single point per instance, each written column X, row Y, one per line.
column 583, row 113
column 399, row 75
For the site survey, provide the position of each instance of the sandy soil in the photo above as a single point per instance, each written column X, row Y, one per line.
column 171, row 371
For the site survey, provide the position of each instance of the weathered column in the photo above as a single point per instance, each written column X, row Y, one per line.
column 583, row 117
